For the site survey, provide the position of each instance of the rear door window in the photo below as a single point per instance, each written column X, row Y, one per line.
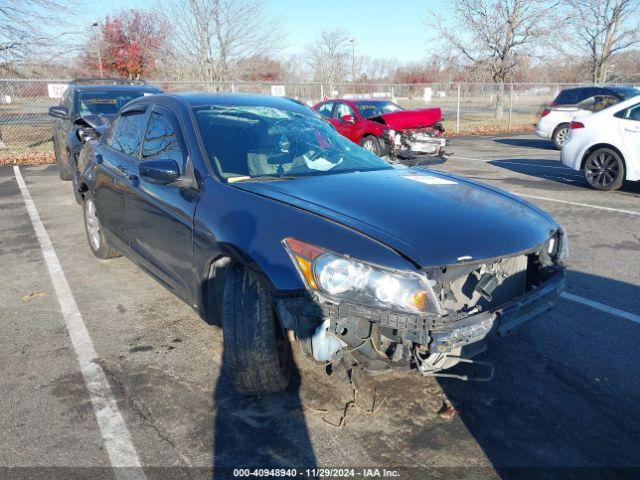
column 631, row 113
column 126, row 134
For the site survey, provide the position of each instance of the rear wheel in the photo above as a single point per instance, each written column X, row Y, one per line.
column 257, row 353
column 95, row 234
column 371, row 143
column 560, row 135
column 604, row 169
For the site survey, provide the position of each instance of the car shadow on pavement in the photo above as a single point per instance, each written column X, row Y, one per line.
column 540, row 143
column 562, row 403
column 544, row 169
column 259, row 432
column 555, row 171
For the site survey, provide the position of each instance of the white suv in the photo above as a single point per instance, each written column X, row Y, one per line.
column 555, row 119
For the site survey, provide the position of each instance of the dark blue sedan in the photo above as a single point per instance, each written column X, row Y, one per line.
column 263, row 218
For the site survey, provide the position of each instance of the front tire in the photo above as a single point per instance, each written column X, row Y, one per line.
column 560, row 135
column 95, row 234
column 604, row 169
column 371, row 143
column 257, row 353
column 64, row 169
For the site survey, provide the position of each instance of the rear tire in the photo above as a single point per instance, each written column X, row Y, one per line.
column 560, row 134
column 257, row 353
column 604, row 169
column 95, row 234
column 371, row 143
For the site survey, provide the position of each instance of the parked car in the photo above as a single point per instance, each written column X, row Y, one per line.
column 605, row 146
column 260, row 216
column 88, row 104
column 555, row 118
column 385, row 128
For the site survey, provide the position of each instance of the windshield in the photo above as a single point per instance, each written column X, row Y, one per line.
column 245, row 142
column 373, row 109
column 106, row 103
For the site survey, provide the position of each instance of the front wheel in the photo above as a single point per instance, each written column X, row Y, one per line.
column 95, row 234
column 371, row 144
column 257, row 353
column 604, row 169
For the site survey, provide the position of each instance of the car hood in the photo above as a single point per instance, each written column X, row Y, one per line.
column 97, row 122
column 429, row 217
column 408, row 119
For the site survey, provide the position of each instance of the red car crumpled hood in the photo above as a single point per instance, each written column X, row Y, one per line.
column 408, row 119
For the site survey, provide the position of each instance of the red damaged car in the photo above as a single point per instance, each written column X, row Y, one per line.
column 385, row 128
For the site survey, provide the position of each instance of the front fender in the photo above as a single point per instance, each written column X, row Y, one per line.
column 249, row 228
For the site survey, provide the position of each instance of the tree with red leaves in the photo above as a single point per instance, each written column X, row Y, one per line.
column 130, row 44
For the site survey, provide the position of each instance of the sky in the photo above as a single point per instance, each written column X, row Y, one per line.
column 382, row 28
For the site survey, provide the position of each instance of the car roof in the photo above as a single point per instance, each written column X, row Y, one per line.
column 613, row 88
column 195, row 100
column 115, row 88
column 360, row 101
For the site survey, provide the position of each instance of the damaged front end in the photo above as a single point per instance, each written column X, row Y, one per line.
column 414, row 143
column 428, row 322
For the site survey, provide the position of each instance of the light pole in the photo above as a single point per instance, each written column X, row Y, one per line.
column 96, row 24
column 353, row 65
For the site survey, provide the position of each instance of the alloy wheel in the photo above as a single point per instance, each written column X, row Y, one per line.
column 92, row 223
column 369, row 145
column 562, row 136
column 601, row 169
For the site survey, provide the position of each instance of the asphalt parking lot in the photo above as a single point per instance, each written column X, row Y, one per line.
column 564, row 402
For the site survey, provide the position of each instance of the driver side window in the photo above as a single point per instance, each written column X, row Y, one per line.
column 342, row 110
column 161, row 140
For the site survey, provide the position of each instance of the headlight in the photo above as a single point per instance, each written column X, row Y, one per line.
column 344, row 278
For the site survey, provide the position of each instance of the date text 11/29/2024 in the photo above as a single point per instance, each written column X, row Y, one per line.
column 317, row 472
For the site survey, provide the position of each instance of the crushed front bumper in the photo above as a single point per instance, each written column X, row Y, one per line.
column 501, row 321
column 353, row 323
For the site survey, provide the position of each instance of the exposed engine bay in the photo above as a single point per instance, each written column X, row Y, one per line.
column 478, row 299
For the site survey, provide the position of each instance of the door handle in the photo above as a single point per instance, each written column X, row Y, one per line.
column 635, row 130
column 122, row 169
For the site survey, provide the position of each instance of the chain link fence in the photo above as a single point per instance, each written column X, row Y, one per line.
column 25, row 126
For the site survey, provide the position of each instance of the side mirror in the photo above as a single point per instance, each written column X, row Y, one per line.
column 348, row 119
column 59, row 112
column 160, row 171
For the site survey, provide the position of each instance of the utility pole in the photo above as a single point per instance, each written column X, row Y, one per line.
column 353, row 65
column 97, row 24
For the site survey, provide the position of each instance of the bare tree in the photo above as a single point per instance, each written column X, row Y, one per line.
column 328, row 57
column 604, row 28
column 491, row 34
column 215, row 34
column 27, row 27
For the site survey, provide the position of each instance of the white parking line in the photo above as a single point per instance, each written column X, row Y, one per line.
column 116, row 437
column 601, row 306
column 577, row 204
